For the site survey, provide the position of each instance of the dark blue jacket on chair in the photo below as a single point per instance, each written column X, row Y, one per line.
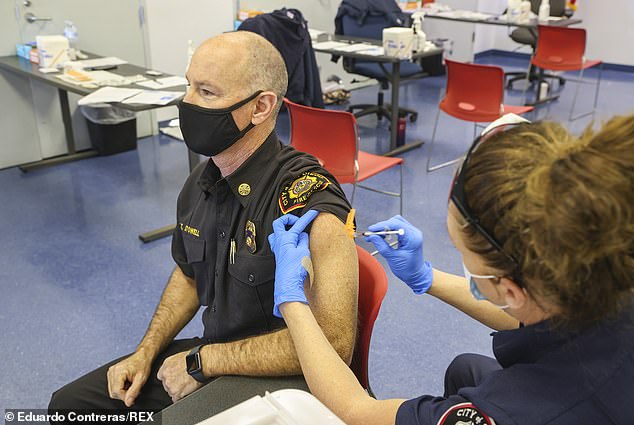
column 287, row 30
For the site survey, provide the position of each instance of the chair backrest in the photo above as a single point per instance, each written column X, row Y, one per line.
column 372, row 289
column 372, row 26
column 559, row 48
column 474, row 92
column 329, row 135
column 557, row 7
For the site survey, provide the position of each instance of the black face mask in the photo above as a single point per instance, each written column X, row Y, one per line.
column 211, row 131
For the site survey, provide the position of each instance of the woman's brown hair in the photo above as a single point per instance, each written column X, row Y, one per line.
column 562, row 206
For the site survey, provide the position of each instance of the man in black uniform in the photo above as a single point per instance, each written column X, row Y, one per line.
column 225, row 212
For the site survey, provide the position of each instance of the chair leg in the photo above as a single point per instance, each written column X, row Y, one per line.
column 431, row 147
column 433, row 138
column 528, row 82
column 596, row 96
column 574, row 99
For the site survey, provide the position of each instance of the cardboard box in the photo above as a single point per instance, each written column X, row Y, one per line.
column 53, row 50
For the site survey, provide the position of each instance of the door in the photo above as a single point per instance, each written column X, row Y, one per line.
column 111, row 28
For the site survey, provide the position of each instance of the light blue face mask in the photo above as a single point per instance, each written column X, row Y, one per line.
column 474, row 288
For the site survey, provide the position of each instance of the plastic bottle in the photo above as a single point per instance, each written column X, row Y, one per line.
column 400, row 130
column 544, row 10
column 70, row 32
column 525, row 12
column 543, row 90
column 190, row 53
column 420, row 38
column 513, row 10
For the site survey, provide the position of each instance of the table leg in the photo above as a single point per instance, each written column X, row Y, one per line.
column 395, row 149
column 166, row 231
column 156, row 234
column 72, row 154
column 538, row 100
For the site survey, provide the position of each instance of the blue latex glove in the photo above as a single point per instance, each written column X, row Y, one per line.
column 407, row 261
column 290, row 247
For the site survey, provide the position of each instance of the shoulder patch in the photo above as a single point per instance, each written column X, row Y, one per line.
column 464, row 414
column 295, row 194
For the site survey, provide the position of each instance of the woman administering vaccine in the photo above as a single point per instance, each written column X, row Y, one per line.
column 544, row 222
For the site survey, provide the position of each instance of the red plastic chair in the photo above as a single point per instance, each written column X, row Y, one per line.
column 474, row 93
column 372, row 289
column 563, row 49
column 332, row 137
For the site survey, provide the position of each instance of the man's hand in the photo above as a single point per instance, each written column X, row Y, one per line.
column 126, row 378
column 176, row 380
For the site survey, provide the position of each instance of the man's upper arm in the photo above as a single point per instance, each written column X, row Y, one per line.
column 333, row 295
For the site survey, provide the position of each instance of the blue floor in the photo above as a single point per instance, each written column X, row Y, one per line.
column 79, row 288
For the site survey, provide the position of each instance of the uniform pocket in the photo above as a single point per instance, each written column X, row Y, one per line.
column 253, row 270
column 251, row 287
column 194, row 249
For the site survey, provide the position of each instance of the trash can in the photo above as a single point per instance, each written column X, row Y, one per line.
column 111, row 129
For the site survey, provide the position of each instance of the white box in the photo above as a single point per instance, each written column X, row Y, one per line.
column 283, row 407
column 398, row 42
column 53, row 50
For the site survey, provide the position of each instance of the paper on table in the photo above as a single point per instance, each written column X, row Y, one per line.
column 172, row 81
column 108, row 94
column 328, row 45
column 465, row 14
column 314, row 34
column 152, row 97
column 376, row 51
column 151, row 84
column 89, row 63
column 358, row 47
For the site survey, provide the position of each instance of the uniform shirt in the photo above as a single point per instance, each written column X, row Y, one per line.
column 547, row 377
column 221, row 237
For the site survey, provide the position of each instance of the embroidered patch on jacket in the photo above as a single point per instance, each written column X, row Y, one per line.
column 295, row 194
column 464, row 414
column 249, row 236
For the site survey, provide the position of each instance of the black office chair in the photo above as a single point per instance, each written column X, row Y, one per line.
column 528, row 37
column 372, row 27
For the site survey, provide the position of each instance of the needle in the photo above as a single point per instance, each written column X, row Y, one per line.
column 400, row 232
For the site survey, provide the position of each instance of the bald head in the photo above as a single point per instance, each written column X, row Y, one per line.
column 244, row 62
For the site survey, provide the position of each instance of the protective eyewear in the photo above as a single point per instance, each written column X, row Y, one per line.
column 458, row 195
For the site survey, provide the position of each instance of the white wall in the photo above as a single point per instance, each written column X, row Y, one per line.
column 610, row 27
column 20, row 140
column 170, row 24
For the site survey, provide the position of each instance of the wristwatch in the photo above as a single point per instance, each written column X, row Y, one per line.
column 194, row 365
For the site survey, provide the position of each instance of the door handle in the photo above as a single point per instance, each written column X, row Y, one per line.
column 31, row 18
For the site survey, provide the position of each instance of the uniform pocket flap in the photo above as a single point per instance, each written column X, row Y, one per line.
column 194, row 248
column 253, row 270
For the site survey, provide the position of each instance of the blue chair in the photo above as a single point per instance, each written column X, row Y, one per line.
column 372, row 27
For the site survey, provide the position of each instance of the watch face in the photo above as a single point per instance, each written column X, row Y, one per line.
column 192, row 362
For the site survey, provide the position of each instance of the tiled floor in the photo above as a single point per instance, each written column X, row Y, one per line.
column 78, row 288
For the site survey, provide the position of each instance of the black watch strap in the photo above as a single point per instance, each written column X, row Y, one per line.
column 194, row 364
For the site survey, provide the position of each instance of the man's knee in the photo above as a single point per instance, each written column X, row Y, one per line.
column 462, row 364
column 468, row 370
column 64, row 398
column 87, row 392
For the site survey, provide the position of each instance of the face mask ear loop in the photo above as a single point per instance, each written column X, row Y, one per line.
column 246, row 129
column 243, row 102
